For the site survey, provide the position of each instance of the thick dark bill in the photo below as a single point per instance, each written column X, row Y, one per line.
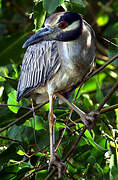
column 38, row 36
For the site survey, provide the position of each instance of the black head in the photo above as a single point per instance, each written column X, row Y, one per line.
column 69, row 25
column 74, row 26
column 62, row 26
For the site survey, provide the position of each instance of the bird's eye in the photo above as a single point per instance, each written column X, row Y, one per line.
column 62, row 25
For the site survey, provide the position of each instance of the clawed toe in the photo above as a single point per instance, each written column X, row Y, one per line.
column 92, row 115
column 59, row 165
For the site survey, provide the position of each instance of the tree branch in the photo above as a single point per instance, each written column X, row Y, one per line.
column 110, row 108
column 20, row 10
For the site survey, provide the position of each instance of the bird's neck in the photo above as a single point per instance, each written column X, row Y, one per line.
column 69, row 51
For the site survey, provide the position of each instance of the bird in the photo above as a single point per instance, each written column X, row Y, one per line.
column 58, row 57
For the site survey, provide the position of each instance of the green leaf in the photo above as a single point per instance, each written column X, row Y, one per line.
column 9, row 172
column 78, row 6
column 12, row 48
column 59, row 125
column 111, row 28
column 6, row 116
column 103, row 20
column 99, row 94
column 116, row 111
column 10, row 154
column 51, row 5
column 34, row 160
column 79, row 3
column 91, row 85
column 20, row 113
column 24, row 133
column 0, row 4
column 91, row 140
column 39, row 124
column 41, row 175
column 39, row 15
column 113, row 50
column 11, row 81
column 12, row 101
column 21, row 173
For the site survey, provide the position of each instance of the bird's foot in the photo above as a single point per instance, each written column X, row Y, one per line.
column 57, row 164
column 90, row 117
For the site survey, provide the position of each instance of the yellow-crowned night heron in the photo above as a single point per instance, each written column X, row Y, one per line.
column 57, row 59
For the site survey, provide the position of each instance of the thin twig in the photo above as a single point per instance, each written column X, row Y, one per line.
column 50, row 174
column 102, row 67
column 16, row 106
column 36, row 170
column 60, row 139
column 24, row 115
column 110, row 42
column 9, row 139
column 101, row 57
column 72, row 150
column 106, row 98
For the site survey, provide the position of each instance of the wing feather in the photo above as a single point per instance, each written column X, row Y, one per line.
column 39, row 63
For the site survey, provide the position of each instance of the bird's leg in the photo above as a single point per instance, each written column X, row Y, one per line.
column 84, row 117
column 52, row 118
column 51, row 129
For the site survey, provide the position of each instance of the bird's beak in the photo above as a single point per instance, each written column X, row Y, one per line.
column 43, row 34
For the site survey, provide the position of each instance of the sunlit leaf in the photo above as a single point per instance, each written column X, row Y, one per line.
column 20, row 152
column 39, row 15
column 103, row 20
column 38, row 125
column 116, row 111
column 0, row 4
column 12, row 101
column 1, row 90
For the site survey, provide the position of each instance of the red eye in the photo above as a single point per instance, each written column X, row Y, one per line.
column 62, row 25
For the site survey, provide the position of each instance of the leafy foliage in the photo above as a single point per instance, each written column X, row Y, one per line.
column 88, row 153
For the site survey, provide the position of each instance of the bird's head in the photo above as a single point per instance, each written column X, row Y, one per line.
column 62, row 26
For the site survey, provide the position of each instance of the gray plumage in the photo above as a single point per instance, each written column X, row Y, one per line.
column 39, row 63
column 52, row 66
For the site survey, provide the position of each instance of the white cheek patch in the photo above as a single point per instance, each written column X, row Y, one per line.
column 73, row 26
column 88, row 43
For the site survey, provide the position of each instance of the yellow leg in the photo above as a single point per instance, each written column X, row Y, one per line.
column 53, row 160
column 51, row 129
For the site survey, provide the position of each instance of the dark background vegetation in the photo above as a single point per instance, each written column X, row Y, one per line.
column 90, row 155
